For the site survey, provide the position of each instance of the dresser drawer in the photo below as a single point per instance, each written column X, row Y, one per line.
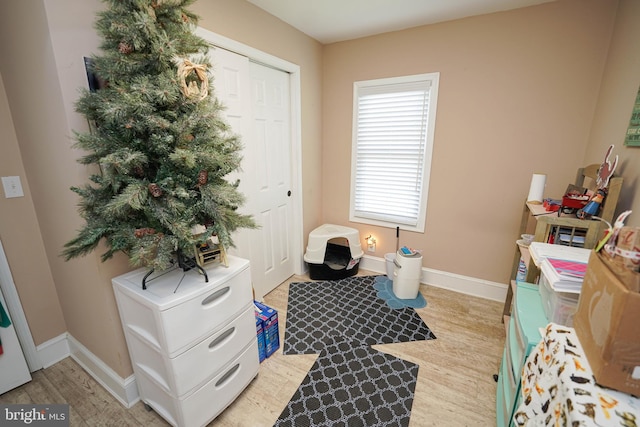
column 510, row 382
column 196, row 318
column 201, row 406
column 503, row 394
column 178, row 310
column 194, row 367
column 515, row 349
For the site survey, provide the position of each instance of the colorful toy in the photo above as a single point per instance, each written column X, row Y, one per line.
column 605, row 172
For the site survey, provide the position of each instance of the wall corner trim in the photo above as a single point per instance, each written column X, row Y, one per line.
column 54, row 350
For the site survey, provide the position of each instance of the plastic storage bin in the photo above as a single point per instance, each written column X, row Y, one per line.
column 406, row 275
column 559, row 307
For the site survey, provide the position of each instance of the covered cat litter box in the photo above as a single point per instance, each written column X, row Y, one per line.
column 333, row 252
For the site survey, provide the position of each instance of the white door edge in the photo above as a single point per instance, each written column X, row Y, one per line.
column 18, row 317
column 259, row 56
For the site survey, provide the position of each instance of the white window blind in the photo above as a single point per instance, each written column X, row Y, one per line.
column 393, row 133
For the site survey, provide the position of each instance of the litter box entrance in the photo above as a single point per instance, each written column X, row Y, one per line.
column 337, row 256
column 338, row 262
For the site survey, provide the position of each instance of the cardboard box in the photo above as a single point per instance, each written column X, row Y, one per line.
column 269, row 318
column 607, row 324
column 262, row 350
column 623, row 256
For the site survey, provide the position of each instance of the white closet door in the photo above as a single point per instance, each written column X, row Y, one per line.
column 13, row 366
column 256, row 98
column 271, row 113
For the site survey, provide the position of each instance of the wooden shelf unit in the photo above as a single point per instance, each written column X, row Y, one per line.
column 537, row 221
column 542, row 224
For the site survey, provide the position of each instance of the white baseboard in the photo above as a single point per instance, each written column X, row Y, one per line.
column 455, row 282
column 124, row 390
column 52, row 351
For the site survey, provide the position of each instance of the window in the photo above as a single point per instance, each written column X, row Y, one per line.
column 393, row 128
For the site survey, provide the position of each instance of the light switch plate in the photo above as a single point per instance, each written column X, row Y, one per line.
column 12, row 186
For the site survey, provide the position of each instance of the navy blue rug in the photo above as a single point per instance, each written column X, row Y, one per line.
column 351, row 384
column 349, row 307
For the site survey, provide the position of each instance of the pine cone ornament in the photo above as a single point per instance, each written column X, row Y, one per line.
column 125, row 48
column 141, row 232
column 155, row 190
column 138, row 171
column 203, row 177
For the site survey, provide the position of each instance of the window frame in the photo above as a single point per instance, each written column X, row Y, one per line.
column 379, row 219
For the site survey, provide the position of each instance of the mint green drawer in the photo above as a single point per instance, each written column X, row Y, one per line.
column 504, row 394
column 516, row 349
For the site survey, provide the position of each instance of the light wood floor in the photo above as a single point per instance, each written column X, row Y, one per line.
column 455, row 380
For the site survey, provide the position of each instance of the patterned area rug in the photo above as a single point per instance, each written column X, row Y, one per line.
column 351, row 384
column 349, row 307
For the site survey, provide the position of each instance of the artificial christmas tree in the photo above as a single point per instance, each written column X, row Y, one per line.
column 160, row 144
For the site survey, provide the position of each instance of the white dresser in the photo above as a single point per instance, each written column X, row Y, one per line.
column 192, row 343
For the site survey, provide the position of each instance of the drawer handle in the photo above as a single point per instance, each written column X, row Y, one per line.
column 222, row 337
column 214, row 296
column 228, row 375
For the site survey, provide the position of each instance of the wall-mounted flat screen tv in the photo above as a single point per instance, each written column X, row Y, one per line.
column 94, row 81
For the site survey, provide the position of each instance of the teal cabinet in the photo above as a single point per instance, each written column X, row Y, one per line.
column 527, row 317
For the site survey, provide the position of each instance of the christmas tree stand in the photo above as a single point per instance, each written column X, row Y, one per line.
column 184, row 262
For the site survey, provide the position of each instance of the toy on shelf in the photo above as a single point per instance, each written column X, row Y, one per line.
column 574, row 198
column 552, row 205
column 602, row 182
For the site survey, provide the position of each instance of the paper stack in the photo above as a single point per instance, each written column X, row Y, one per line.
column 564, row 275
column 540, row 251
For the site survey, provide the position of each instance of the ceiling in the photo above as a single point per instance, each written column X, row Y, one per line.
column 329, row 21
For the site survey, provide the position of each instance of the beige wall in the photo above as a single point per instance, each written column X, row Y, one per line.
column 516, row 97
column 22, row 240
column 41, row 74
column 617, row 95
column 42, row 70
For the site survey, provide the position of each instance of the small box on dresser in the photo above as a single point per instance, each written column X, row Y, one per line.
column 192, row 343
